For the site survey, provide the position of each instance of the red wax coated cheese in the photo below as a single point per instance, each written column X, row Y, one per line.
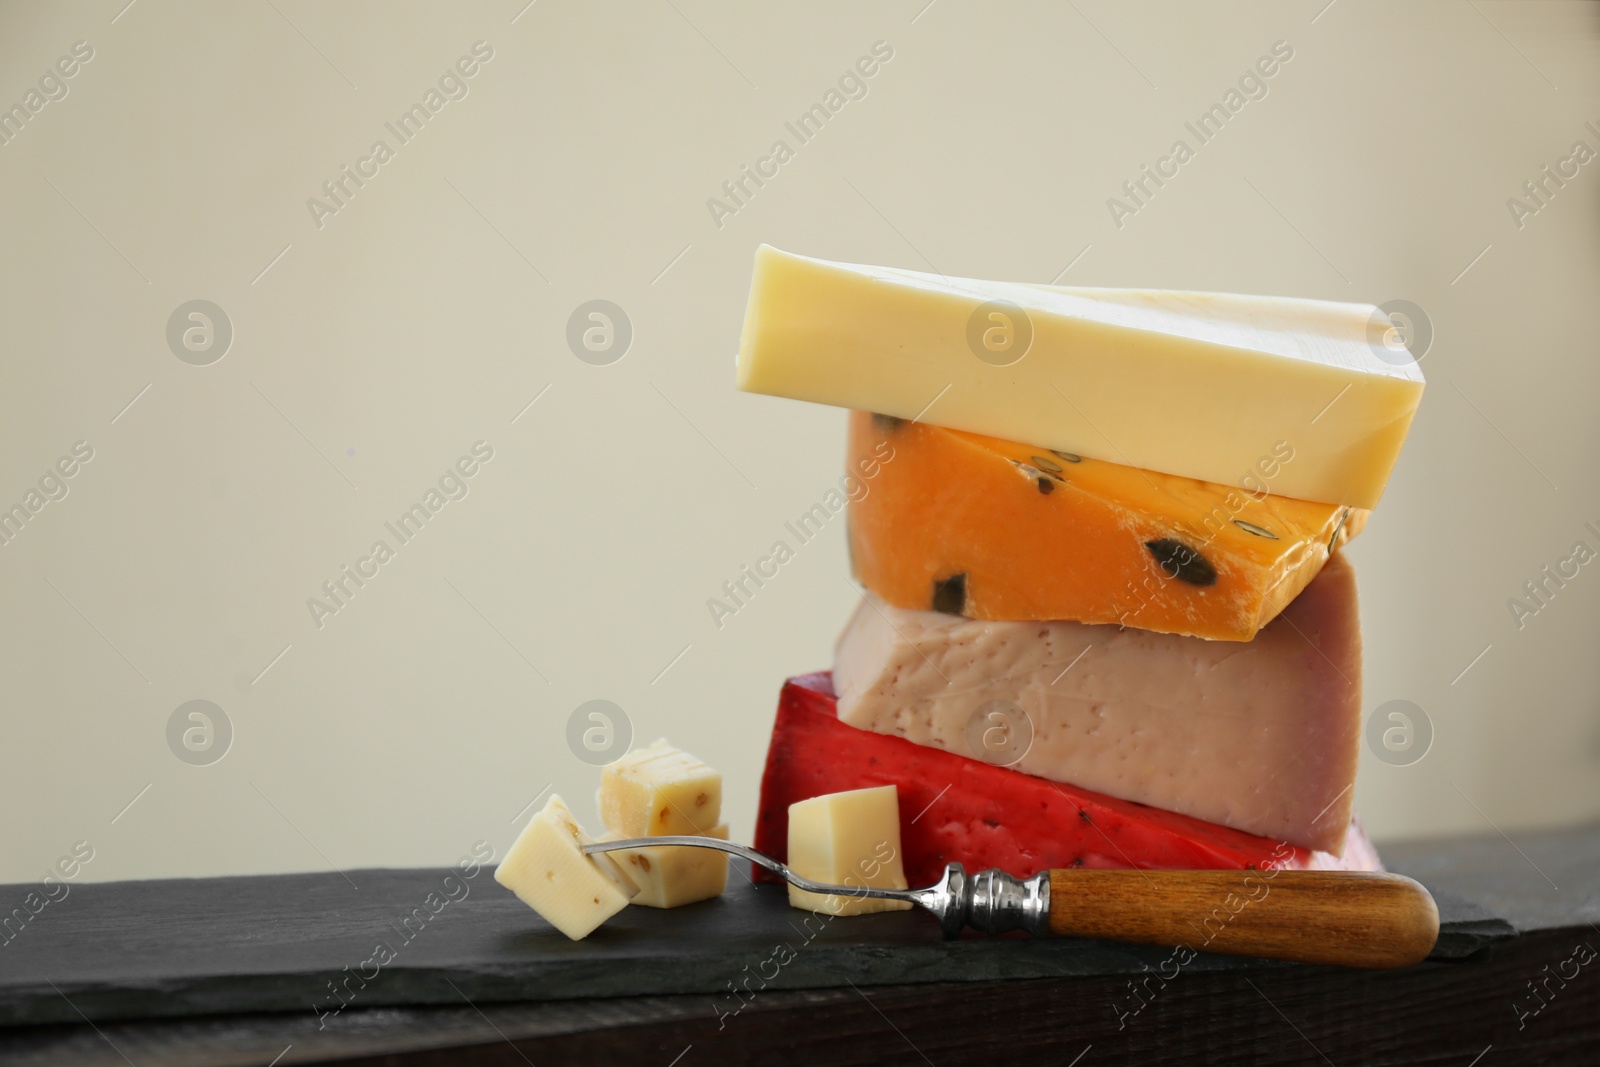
column 954, row 809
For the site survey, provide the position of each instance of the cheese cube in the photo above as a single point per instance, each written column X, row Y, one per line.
column 669, row 876
column 548, row 871
column 660, row 790
column 1203, row 385
column 850, row 839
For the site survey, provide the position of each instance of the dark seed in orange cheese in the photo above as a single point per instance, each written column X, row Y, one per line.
column 1333, row 539
column 1042, row 479
column 950, row 594
column 1182, row 562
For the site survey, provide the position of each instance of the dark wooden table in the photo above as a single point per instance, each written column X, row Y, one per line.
column 1531, row 998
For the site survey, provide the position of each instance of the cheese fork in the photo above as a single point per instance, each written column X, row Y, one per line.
column 1344, row 918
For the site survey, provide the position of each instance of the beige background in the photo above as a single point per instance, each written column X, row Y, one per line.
column 371, row 352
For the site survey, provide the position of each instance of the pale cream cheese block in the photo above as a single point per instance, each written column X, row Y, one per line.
column 1262, row 736
column 549, row 871
column 660, row 790
column 847, row 839
column 1195, row 384
column 670, row 876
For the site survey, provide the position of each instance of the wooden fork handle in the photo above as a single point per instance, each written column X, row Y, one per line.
column 1347, row 918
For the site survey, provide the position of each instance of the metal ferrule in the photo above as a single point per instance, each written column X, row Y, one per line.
column 998, row 902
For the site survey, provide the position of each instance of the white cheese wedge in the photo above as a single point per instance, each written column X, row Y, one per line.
column 850, row 839
column 669, row 877
column 548, row 871
column 660, row 790
column 1201, row 385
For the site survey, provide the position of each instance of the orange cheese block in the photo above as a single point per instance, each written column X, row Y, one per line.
column 991, row 529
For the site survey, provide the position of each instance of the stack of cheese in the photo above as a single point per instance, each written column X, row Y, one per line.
column 1106, row 619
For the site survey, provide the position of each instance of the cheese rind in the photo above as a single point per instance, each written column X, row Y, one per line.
column 1262, row 737
column 548, row 870
column 981, row 815
column 849, row 839
column 660, row 790
column 1194, row 384
column 668, row 876
column 1036, row 534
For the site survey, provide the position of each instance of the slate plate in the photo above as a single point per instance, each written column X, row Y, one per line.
column 308, row 942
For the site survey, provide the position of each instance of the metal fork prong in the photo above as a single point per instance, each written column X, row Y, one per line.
column 761, row 858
